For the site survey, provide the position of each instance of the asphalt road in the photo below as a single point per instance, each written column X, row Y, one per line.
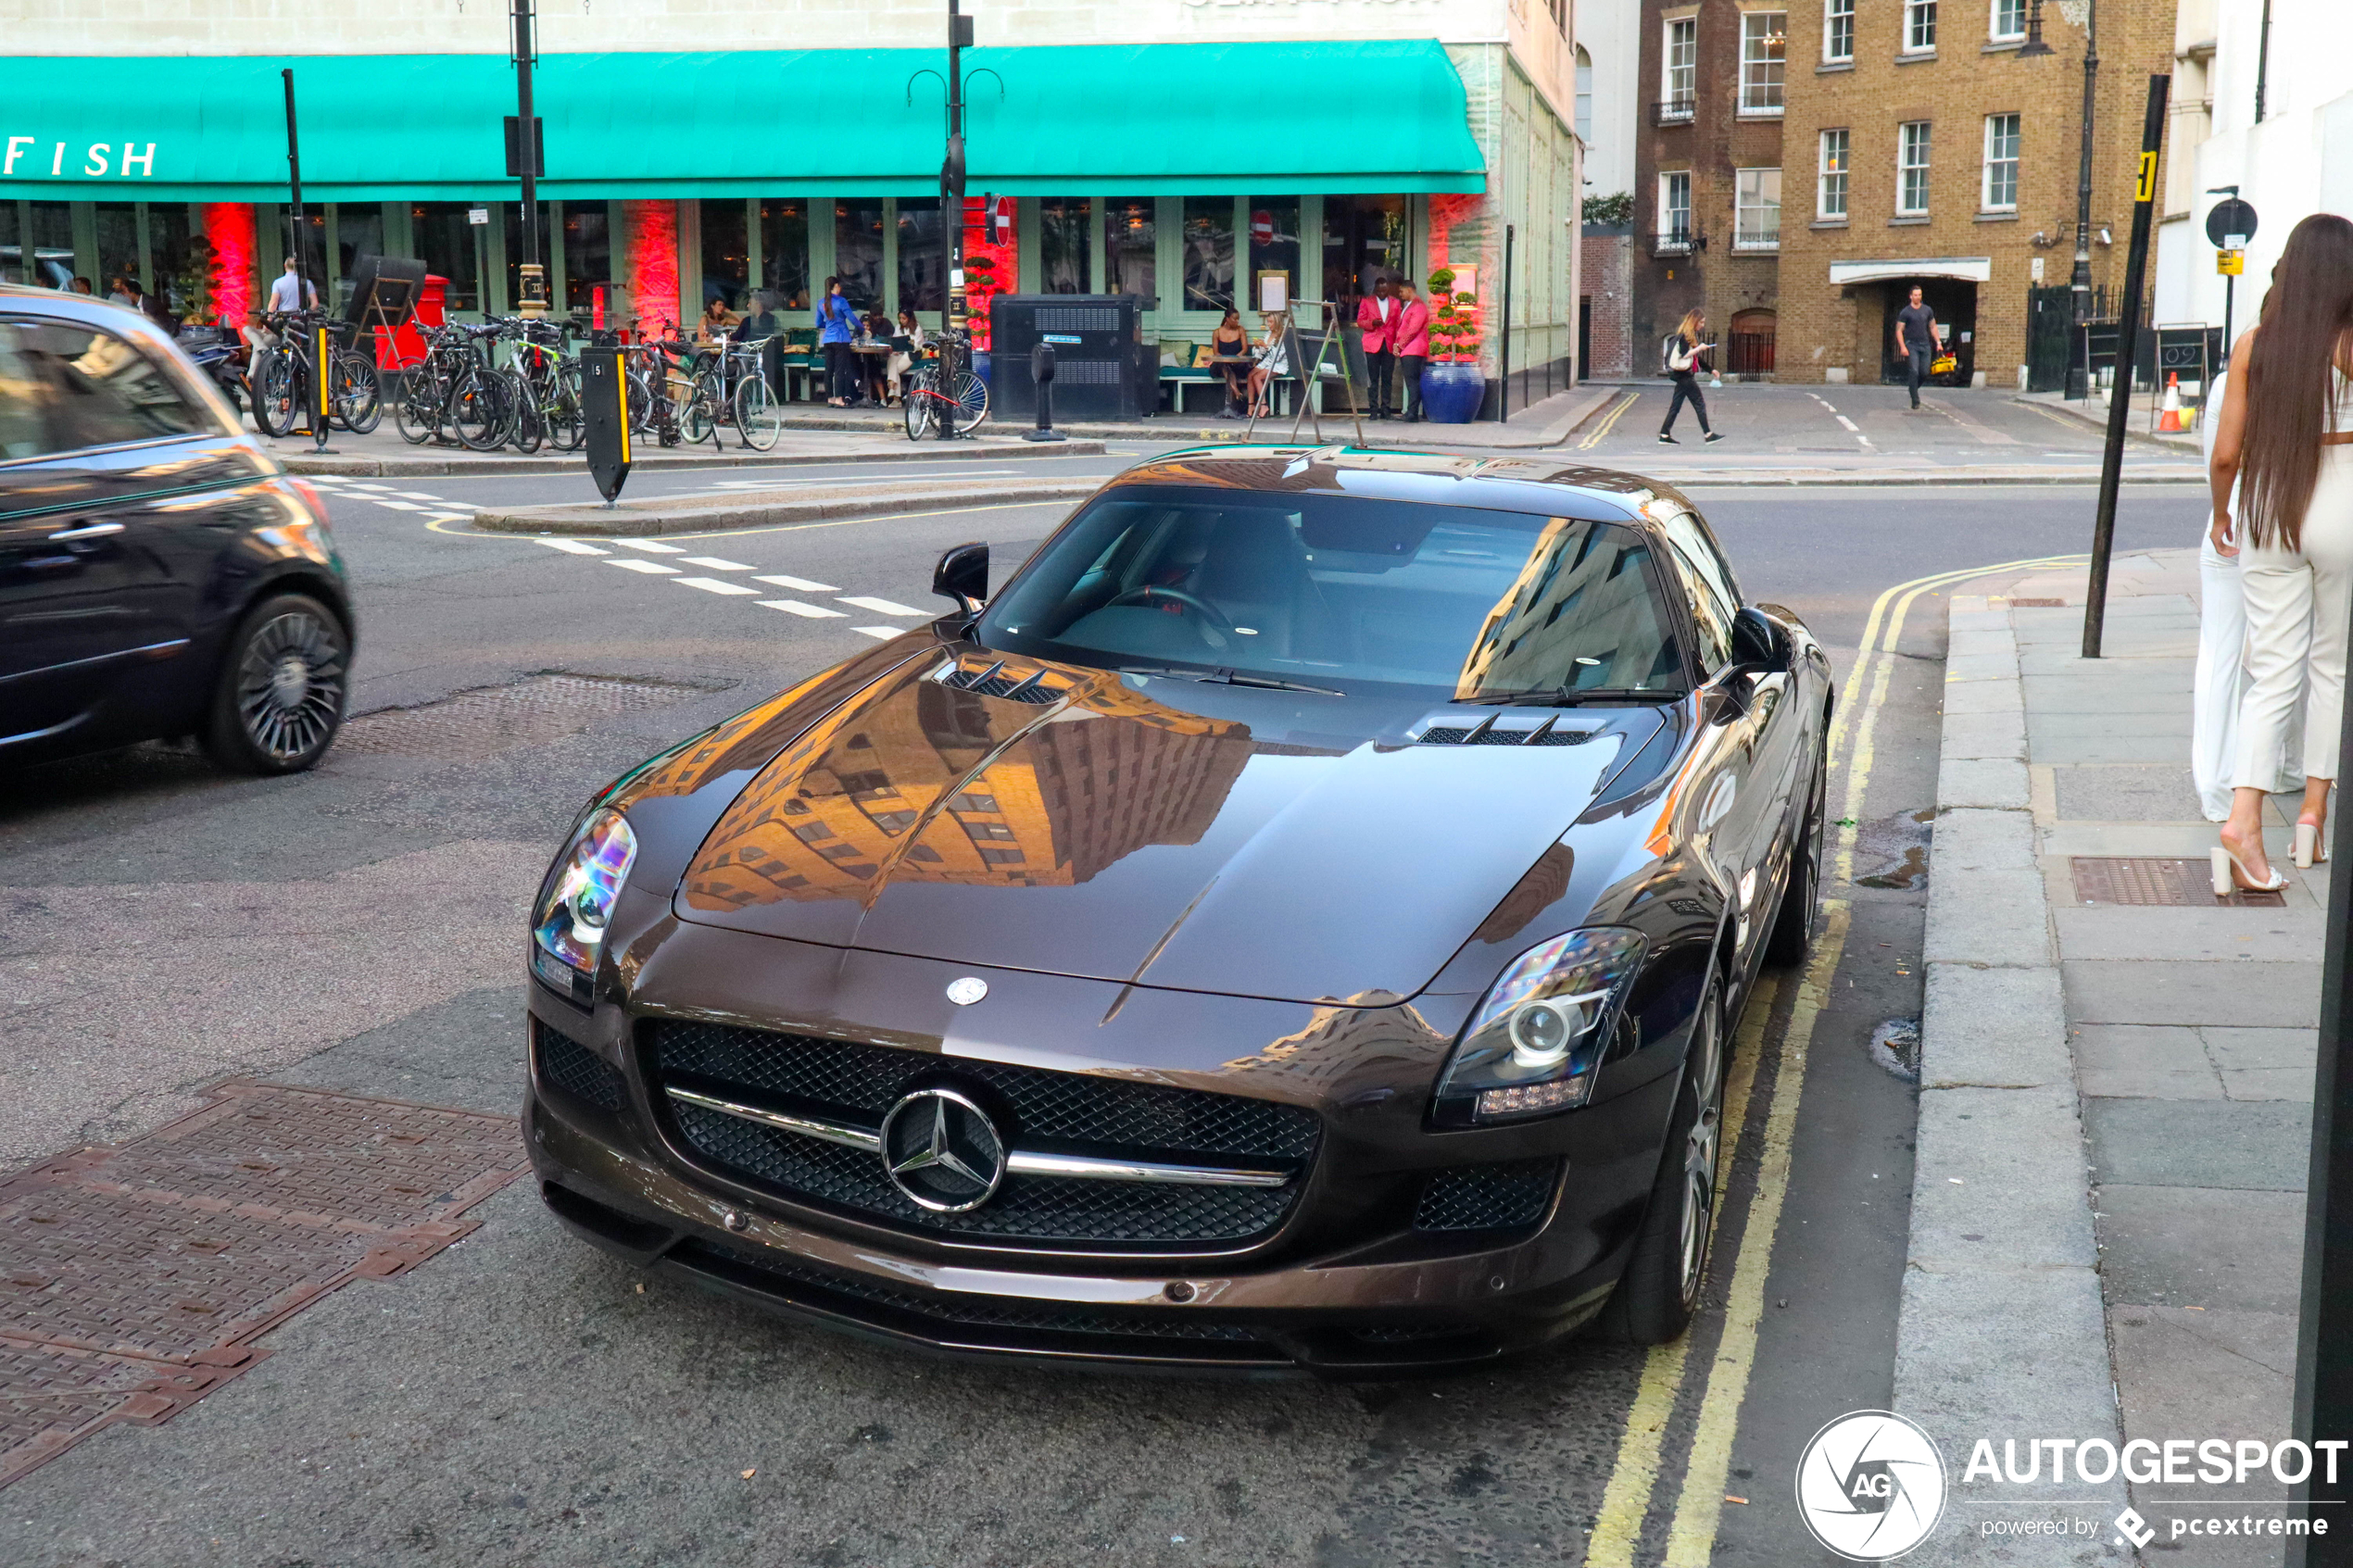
column 522, row 1399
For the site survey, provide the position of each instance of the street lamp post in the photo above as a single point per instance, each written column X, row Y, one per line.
column 530, row 275
column 951, row 171
column 2080, row 377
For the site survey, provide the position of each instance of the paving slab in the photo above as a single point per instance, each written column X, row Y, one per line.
column 2258, row 1146
column 1994, row 1027
column 2144, row 1061
column 1982, row 696
column 2271, row 996
column 1984, row 735
column 2223, row 933
column 2196, row 1247
column 2211, row 1374
column 2000, row 1182
column 1989, row 916
column 1995, row 783
column 2129, row 792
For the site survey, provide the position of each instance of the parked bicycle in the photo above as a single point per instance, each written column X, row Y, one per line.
column 280, row 387
column 942, row 396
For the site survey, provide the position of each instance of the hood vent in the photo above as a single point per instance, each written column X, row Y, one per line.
column 1015, row 682
column 1502, row 729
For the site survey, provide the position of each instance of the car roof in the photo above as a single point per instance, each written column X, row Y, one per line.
column 1547, row 485
column 82, row 309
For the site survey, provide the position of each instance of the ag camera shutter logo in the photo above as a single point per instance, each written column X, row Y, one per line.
column 1871, row 1486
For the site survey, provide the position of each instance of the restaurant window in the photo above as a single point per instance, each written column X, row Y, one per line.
column 1364, row 237
column 784, row 251
column 1681, row 80
column 858, row 252
column 1838, row 32
column 1762, row 35
column 360, row 231
column 923, row 255
column 587, row 256
column 167, row 253
column 450, row 247
column 726, row 251
column 118, row 248
column 1209, row 253
column 1920, row 27
column 1130, row 265
column 2010, row 20
column 1273, row 249
column 314, row 245
column 1064, row 264
column 1757, row 209
column 1829, row 200
column 2000, row 192
column 1911, row 168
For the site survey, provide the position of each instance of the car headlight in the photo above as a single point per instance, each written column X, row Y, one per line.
column 575, row 902
column 1536, row 1040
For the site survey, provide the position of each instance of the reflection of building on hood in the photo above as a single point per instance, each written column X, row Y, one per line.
column 936, row 785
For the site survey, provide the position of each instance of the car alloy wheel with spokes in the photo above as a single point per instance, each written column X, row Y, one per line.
column 1703, row 1144
column 1659, row 1291
column 282, row 688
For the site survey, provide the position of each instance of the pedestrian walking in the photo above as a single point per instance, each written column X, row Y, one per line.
column 1377, row 313
column 2285, row 438
column 1683, row 353
column 837, row 329
column 1412, row 341
column 1918, row 340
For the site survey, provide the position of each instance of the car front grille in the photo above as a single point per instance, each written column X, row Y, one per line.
column 856, row 1083
column 567, row 1065
column 1484, row 1197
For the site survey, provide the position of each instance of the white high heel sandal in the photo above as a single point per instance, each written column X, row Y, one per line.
column 2222, row 860
column 2310, row 849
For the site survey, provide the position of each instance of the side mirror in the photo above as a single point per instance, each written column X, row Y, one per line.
column 963, row 575
column 1759, row 641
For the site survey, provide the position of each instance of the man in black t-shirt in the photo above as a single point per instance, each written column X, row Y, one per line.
column 1918, row 339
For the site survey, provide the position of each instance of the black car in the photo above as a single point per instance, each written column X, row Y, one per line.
column 1297, row 923
column 160, row 574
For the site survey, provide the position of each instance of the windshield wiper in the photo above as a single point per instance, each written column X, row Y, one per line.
column 1569, row 697
column 1228, row 678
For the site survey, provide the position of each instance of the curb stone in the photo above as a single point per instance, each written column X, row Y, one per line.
column 2001, row 1332
column 770, row 508
column 486, row 466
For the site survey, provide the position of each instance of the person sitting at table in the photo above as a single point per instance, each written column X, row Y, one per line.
column 905, row 344
column 759, row 323
column 716, row 319
column 1274, row 363
column 1229, row 345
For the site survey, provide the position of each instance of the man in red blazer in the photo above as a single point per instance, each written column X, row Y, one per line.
column 1410, row 340
column 1378, row 313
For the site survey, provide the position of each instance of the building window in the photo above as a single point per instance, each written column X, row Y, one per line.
column 923, row 255
column 1675, row 211
column 1757, row 209
column 1064, row 265
column 2009, row 20
column 2001, row 163
column 1131, row 225
column 784, row 251
column 1763, row 33
column 1560, row 15
column 1911, row 168
column 726, row 252
column 1681, row 80
column 1920, row 27
column 1584, row 97
column 1830, row 198
column 1838, row 31
column 1209, row 253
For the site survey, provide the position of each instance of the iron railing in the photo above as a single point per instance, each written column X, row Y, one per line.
column 1673, row 111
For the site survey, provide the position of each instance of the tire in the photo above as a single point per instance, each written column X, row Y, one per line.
column 1793, row 935
column 358, row 398
column 1660, row 1292
column 758, row 419
column 277, row 400
column 416, row 413
column 279, row 696
column 972, row 402
column 525, row 429
column 699, row 411
column 567, row 427
column 915, row 402
column 478, row 411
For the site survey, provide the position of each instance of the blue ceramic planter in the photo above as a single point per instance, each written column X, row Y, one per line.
column 980, row 367
column 1451, row 393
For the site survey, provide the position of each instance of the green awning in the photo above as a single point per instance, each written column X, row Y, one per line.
column 1139, row 120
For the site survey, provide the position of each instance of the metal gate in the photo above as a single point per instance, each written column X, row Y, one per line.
column 2050, row 314
column 1749, row 354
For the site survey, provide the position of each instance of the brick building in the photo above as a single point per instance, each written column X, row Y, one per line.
column 1929, row 148
column 1708, row 179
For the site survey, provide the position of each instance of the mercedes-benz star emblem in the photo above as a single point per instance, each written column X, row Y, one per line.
column 967, row 990
column 942, row 1151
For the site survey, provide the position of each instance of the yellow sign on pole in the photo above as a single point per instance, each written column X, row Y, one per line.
column 2148, row 190
column 2229, row 263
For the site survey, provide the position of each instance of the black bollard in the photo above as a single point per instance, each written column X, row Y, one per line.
column 1041, row 372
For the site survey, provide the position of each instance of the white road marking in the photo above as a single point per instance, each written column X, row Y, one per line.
column 652, row 547
column 794, row 607
column 713, row 586
column 653, row 566
column 880, row 607
column 415, row 495
column 575, row 547
column 802, row 583
column 449, row 517
column 397, row 506
column 1850, row 424
column 715, row 564
column 880, row 634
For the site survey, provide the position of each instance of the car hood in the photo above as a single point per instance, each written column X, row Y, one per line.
column 1058, row 819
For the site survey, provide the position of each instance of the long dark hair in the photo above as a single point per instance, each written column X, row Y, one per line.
column 2291, row 400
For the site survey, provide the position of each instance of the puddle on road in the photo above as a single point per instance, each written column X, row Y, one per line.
column 1895, row 1046
column 1897, row 847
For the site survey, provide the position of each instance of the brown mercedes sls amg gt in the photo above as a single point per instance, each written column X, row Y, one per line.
column 1295, row 924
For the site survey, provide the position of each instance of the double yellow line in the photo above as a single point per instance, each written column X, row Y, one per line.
column 1699, row 1502
column 1608, row 421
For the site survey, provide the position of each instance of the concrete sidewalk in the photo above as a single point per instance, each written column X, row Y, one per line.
column 2116, row 1077
column 383, row 453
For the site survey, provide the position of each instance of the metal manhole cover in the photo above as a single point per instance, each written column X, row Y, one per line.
column 133, row 1278
column 2187, row 885
column 489, row 720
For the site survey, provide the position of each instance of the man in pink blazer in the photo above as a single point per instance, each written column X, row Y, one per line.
column 1410, row 340
column 1378, row 313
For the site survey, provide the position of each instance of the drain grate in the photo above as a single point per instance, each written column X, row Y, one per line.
column 490, row 719
column 2107, row 879
column 2038, row 604
column 134, row 1279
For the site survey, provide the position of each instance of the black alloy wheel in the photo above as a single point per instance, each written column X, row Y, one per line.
column 1658, row 1293
column 1793, row 935
column 280, row 696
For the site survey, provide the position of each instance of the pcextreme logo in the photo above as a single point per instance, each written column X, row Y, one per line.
column 1871, row 1486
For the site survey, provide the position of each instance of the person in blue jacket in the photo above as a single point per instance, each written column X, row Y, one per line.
column 837, row 329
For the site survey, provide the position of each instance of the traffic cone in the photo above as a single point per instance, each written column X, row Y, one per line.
column 2169, row 414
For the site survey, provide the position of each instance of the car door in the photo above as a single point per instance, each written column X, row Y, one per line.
column 102, row 562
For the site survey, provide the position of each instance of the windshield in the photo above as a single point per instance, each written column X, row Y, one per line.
column 1317, row 588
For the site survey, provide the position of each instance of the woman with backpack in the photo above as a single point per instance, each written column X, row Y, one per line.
column 837, row 329
column 1681, row 356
